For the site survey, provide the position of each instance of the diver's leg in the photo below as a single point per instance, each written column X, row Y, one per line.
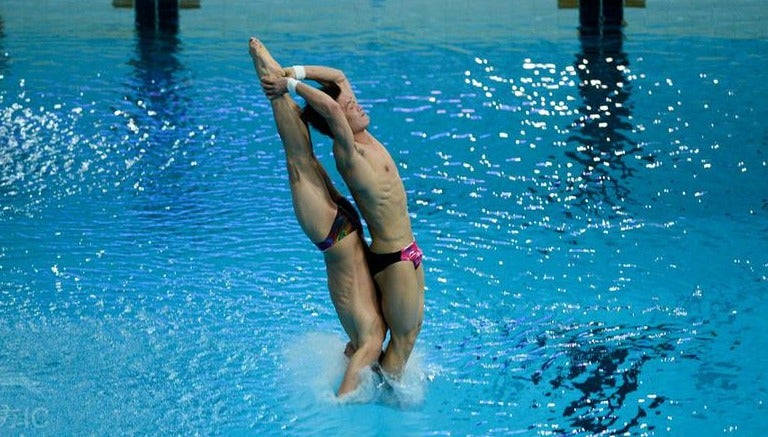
column 312, row 203
column 402, row 303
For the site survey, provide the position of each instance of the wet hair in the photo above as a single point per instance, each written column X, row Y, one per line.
column 313, row 118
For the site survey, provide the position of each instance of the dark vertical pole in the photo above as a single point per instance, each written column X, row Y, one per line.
column 146, row 15
column 613, row 16
column 589, row 16
column 168, row 15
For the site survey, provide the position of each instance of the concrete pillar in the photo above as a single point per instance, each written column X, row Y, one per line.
column 157, row 14
column 589, row 16
column 613, row 16
column 598, row 17
column 146, row 14
column 168, row 15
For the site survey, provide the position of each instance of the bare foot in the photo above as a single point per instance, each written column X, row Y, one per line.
column 263, row 62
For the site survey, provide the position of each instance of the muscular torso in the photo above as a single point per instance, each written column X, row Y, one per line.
column 380, row 195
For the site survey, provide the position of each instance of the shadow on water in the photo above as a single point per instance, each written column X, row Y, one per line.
column 601, row 146
column 156, row 82
column 599, row 368
column 594, row 376
column 165, row 145
column 3, row 56
column 160, row 130
column 585, row 377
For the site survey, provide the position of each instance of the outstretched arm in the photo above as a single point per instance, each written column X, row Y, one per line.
column 317, row 73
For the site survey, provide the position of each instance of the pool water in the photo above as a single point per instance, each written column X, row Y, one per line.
column 593, row 215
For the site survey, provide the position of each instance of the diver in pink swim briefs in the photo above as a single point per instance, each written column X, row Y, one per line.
column 377, row 262
column 332, row 223
column 372, row 177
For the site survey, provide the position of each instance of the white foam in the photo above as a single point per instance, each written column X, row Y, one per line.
column 409, row 389
column 315, row 364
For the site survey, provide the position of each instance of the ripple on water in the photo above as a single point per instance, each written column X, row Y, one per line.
column 572, row 207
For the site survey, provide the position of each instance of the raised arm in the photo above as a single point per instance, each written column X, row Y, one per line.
column 326, row 106
column 331, row 111
column 318, row 73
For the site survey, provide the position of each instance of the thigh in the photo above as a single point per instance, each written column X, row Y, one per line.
column 312, row 202
column 402, row 296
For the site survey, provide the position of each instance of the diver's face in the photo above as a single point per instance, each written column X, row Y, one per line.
column 356, row 117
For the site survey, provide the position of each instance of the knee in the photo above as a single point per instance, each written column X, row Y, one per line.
column 371, row 346
column 373, row 338
column 407, row 341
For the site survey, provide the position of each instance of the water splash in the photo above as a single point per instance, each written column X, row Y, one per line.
column 316, row 364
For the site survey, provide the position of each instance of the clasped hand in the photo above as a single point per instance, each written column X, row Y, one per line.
column 275, row 87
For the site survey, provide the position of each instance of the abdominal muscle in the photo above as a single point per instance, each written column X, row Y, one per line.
column 380, row 194
column 388, row 223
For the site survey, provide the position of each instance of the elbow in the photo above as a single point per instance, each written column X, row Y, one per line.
column 324, row 105
column 331, row 110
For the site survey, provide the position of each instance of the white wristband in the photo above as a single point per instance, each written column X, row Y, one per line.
column 299, row 71
column 292, row 85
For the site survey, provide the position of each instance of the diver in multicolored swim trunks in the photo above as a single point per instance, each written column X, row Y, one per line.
column 332, row 223
column 372, row 177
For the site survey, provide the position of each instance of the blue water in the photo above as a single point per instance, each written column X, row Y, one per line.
column 595, row 254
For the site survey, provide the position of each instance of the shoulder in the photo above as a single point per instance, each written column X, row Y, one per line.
column 358, row 149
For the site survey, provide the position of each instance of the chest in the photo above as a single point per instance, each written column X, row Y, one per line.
column 380, row 160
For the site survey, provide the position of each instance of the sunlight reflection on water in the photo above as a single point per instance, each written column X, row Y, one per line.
column 592, row 218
